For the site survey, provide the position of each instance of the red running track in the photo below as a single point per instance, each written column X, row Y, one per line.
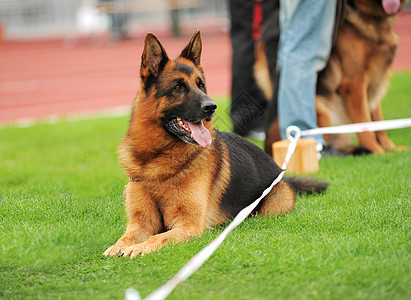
column 39, row 79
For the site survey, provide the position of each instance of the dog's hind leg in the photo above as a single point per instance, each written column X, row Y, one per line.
column 280, row 200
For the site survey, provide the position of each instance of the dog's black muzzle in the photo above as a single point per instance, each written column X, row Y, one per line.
column 208, row 108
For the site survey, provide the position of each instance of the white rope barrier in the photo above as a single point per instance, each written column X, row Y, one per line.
column 359, row 127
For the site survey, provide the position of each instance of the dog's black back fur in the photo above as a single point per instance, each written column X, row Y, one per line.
column 252, row 171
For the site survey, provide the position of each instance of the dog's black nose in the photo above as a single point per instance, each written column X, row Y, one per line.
column 208, row 107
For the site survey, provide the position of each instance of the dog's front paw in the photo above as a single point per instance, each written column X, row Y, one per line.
column 136, row 250
column 400, row 148
column 114, row 250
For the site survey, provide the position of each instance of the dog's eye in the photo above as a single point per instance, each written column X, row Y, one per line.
column 178, row 87
column 201, row 87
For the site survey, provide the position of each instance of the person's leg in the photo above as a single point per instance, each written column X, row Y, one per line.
column 247, row 101
column 305, row 44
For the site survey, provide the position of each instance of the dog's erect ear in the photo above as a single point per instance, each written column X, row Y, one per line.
column 154, row 57
column 193, row 50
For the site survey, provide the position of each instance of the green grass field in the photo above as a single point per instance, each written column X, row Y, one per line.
column 61, row 207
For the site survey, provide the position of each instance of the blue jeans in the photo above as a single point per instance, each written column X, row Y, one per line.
column 305, row 45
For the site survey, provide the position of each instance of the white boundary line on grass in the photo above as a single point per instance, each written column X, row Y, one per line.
column 115, row 111
column 198, row 260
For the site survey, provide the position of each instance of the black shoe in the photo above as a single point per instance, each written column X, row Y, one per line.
column 361, row 151
column 328, row 151
column 256, row 135
column 256, row 132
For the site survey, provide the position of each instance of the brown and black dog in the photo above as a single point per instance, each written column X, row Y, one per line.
column 350, row 88
column 185, row 176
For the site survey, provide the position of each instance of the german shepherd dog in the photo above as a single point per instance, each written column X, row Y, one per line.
column 185, row 176
column 350, row 88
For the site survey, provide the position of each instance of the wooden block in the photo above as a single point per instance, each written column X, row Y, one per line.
column 304, row 159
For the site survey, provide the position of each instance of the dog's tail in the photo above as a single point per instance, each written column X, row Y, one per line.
column 305, row 185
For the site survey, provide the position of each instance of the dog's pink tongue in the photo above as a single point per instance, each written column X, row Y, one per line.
column 200, row 134
column 391, row 6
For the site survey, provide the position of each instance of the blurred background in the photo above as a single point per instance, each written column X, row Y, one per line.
column 70, row 18
column 70, row 57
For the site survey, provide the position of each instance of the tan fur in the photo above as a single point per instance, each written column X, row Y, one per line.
column 273, row 135
column 280, row 200
column 261, row 72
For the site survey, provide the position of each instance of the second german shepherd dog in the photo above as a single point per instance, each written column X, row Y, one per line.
column 350, row 88
column 185, row 176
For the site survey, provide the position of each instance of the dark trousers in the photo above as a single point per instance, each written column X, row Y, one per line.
column 248, row 104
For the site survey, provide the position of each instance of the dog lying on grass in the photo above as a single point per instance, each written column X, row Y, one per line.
column 185, row 176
